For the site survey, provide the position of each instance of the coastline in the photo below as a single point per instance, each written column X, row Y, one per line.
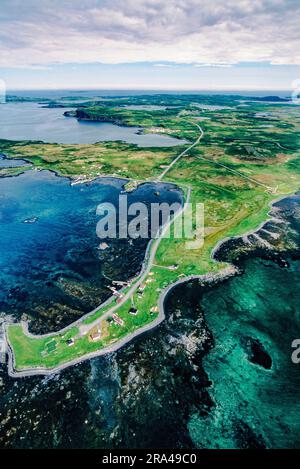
column 72, row 179
column 208, row 277
column 217, row 277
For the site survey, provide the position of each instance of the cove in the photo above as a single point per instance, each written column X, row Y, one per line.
column 30, row 121
column 51, row 266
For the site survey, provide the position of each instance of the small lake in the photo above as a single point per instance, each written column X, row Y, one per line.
column 211, row 107
column 30, row 121
column 147, row 107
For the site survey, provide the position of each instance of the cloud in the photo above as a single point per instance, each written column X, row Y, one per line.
column 165, row 65
column 179, row 31
column 221, row 65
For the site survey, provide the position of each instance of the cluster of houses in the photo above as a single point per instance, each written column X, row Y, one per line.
column 95, row 334
column 142, row 287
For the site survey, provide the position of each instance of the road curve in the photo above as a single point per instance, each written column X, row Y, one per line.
column 205, row 278
column 228, row 271
column 83, row 328
column 147, row 265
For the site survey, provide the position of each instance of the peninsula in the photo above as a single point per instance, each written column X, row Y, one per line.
column 238, row 161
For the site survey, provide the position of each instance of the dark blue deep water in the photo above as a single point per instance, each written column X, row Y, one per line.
column 196, row 380
column 50, row 266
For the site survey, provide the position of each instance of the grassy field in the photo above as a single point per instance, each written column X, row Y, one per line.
column 258, row 144
column 92, row 160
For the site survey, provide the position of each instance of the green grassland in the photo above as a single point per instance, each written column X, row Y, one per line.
column 112, row 158
column 259, row 148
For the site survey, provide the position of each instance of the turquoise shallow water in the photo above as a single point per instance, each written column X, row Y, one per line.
column 254, row 318
column 195, row 381
column 217, row 373
column 261, row 306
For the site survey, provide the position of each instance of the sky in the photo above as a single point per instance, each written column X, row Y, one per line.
column 150, row 44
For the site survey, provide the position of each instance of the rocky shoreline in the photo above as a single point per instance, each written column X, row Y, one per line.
column 203, row 280
column 162, row 371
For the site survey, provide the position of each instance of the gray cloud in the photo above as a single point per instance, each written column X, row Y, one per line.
column 115, row 31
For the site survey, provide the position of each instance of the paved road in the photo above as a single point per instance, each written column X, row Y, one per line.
column 83, row 328
column 206, row 278
column 183, row 152
column 148, row 264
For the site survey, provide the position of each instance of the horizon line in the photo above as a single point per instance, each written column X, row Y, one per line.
column 92, row 88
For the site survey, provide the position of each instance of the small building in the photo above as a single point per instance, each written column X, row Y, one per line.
column 70, row 342
column 133, row 311
column 149, row 280
column 154, row 309
column 120, row 296
column 141, row 289
column 118, row 320
column 96, row 334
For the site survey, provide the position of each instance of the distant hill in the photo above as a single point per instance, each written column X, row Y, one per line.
column 271, row 98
